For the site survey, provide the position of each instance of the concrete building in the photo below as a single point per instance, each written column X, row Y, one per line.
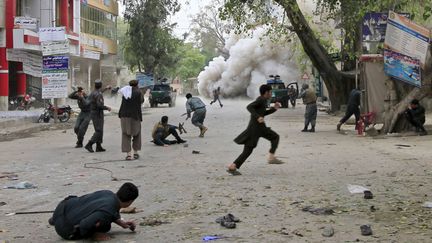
column 90, row 28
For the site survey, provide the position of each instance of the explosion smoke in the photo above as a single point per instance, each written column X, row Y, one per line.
column 252, row 59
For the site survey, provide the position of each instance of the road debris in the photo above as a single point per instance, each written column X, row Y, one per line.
column 366, row 230
column 21, row 185
column 318, row 211
column 328, row 231
column 354, row 189
column 368, row 195
column 228, row 221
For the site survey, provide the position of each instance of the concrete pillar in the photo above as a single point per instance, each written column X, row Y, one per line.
column 4, row 80
column 21, row 81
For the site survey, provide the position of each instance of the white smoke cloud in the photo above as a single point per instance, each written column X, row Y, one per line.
column 252, row 59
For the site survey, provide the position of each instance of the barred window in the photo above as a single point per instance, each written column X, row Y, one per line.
column 98, row 22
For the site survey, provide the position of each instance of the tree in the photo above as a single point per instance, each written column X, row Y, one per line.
column 210, row 31
column 190, row 63
column 150, row 45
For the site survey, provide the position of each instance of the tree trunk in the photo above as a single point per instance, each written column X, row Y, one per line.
column 337, row 83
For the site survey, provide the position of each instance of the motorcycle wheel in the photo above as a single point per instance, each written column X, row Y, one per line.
column 41, row 118
column 64, row 117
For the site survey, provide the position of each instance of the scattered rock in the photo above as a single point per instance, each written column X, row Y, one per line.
column 328, row 231
column 318, row 211
column 2, row 204
column 366, row 230
column 152, row 222
column 195, row 152
column 368, row 195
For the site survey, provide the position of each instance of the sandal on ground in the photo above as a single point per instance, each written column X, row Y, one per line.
column 136, row 156
column 228, row 218
column 275, row 162
column 234, row 172
column 128, row 157
column 228, row 225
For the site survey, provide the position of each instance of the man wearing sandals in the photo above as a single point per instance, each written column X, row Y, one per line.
column 256, row 129
column 197, row 106
column 130, row 115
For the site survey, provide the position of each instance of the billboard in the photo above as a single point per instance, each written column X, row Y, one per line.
column 402, row 67
column 144, row 79
column 54, row 63
column 54, row 85
column 406, row 37
column 374, row 28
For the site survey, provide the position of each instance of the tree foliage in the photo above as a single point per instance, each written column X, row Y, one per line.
column 150, row 46
column 209, row 31
column 190, row 63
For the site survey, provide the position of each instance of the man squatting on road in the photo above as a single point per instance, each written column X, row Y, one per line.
column 91, row 215
column 309, row 99
column 415, row 114
column 84, row 117
column 162, row 130
column 97, row 108
column 197, row 106
column 256, row 129
column 130, row 115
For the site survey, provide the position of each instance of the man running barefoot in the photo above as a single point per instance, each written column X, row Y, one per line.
column 256, row 129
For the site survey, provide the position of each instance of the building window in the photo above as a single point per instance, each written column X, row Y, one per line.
column 58, row 13
column 97, row 22
column 19, row 7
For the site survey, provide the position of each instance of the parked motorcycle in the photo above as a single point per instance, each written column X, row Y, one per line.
column 21, row 104
column 63, row 113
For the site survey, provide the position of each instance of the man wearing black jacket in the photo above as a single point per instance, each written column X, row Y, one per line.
column 256, row 129
column 84, row 117
column 91, row 215
column 353, row 107
column 415, row 114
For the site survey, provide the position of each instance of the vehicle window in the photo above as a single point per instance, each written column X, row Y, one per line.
column 161, row 88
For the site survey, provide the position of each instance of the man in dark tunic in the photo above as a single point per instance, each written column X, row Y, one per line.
column 415, row 114
column 256, row 129
column 84, row 117
column 97, row 108
column 91, row 215
column 162, row 130
column 353, row 107
column 130, row 115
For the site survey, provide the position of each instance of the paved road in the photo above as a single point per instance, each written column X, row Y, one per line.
column 189, row 191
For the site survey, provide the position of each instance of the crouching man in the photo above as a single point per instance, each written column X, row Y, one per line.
column 91, row 215
column 415, row 114
column 162, row 130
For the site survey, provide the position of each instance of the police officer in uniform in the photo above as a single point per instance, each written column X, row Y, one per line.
column 97, row 108
column 309, row 99
column 84, row 117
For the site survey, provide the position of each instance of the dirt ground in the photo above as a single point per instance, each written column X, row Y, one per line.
column 186, row 192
